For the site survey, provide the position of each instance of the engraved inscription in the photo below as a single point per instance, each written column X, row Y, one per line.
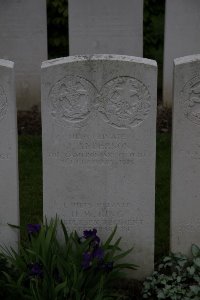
column 3, row 103
column 191, row 100
column 4, row 156
column 101, row 215
column 193, row 153
column 106, row 225
column 190, row 227
column 71, row 100
column 102, row 210
column 96, row 158
column 102, row 150
column 3, row 223
column 124, row 102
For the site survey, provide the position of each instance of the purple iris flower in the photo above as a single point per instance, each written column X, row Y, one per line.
column 92, row 234
column 35, row 270
column 98, row 253
column 89, row 233
column 89, row 256
column 33, row 228
column 87, row 260
column 94, row 251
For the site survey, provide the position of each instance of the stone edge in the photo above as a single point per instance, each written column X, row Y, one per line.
column 6, row 63
column 109, row 57
column 186, row 59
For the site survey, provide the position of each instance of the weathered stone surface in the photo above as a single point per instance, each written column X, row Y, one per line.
column 106, row 26
column 23, row 36
column 9, row 206
column 99, row 125
column 185, row 204
column 182, row 29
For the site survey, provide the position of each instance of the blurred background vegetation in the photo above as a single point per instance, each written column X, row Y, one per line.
column 154, row 11
column 58, row 46
column 57, row 21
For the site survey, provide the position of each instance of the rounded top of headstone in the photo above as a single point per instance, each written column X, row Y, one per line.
column 6, row 63
column 96, row 57
column 187, row 59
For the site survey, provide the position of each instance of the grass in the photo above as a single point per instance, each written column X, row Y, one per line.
column 162, row 221
column 30, row 178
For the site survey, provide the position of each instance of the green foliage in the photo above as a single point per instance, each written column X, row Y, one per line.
column 4, row 292
column 57, row 13
column 177, row 278
column 57, row 17
column 72, row 268
column 154, row 32
column 153, row 28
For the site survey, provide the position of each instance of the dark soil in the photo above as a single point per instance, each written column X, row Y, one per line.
column 164, row 119
column 130, row 289
column 29, row 122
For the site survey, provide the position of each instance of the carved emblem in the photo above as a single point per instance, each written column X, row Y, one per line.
column 124, row 102
column 191, row 100
column 3, row 103
column 71, row 99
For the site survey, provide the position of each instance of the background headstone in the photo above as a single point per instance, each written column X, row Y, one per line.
column 9, row 205
column 182, row 37
column 106, row 26
column 23, row 36
column 185, row 194
column 99, row 137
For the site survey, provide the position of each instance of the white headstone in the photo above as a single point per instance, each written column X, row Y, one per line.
column 9, row 205
column 99, row 115
column 182, row 37
column 106, row 26
column 185, row 195
column 23, row 36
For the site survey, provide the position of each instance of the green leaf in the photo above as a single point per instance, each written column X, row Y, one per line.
column 127, row 266
column 120, row 256
column 65, row 232
column 195, row 250
column 197, row 261
column 161, row 295
column 14, row 226
column 191, row 270
column 60, row 287
column 107, row 243
column 195, row 289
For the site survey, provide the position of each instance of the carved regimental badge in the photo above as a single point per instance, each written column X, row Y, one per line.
column 191, row 100
column 3, row 103
column 71, row 100
column 124, row 102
